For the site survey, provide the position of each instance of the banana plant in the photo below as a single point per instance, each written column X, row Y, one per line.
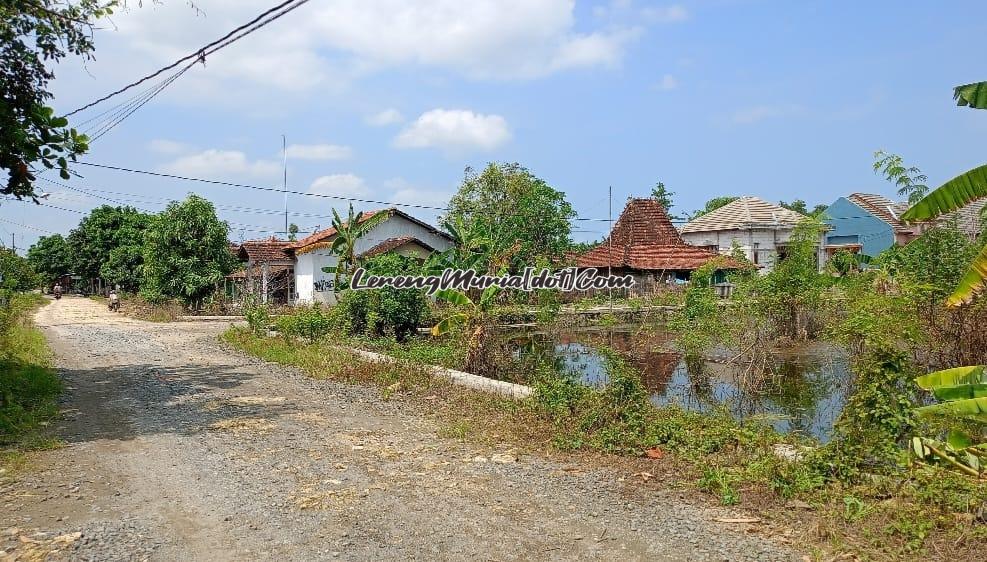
column 956, row 194
column 958, row 451
column 472, row 315
column 962, row 392
column 355, row 226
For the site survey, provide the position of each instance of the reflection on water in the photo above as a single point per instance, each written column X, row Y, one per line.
column 804, row 392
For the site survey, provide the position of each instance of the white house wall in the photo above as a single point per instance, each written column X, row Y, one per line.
column 764, row 241
column 315, row 285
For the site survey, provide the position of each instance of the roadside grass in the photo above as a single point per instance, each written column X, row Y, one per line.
column 137, row 307
column 29, row 386
column 923, row 512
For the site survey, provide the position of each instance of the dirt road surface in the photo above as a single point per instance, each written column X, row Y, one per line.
column 177, row 449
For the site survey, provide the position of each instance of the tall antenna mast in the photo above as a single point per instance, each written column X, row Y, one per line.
column 284, row 184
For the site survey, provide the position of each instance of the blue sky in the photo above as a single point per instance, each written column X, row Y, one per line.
column 391, row 100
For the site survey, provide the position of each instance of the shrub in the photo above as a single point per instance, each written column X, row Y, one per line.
column 309, row 322
column 258, row 317
column 387, row 312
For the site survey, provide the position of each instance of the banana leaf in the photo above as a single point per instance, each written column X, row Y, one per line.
column 950, row 196
column 453, row 296
column 972, row 95
column 448, row 324
column 955, row 384
column 972, row 408
column 972, row 283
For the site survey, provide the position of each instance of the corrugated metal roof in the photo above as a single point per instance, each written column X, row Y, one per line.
column 746, row 212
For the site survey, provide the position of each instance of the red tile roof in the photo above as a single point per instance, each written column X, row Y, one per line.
column 643, row 238
column 324, row 235
column 266, row 250
column 393, row 244
column 272, row 271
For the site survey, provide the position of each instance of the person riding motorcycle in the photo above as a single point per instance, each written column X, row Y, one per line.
column 57, row 290
column 114, row 303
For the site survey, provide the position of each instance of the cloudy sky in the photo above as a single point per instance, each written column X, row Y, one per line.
column 390, row 100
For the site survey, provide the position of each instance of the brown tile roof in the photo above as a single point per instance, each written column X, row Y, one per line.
column 266, row 250
column 746, row 212
column 643, row 238
column 324, row 236
column 393, row 244
column 272, row 271
column 883, row 208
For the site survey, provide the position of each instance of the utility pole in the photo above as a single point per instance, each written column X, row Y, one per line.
column 610, row 246
column 284, row 184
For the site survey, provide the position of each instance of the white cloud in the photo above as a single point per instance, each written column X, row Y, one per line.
column 217, row 164
column 665, row 14
column 328, row 44
column 342, row 185
column 386, row 117
column 319, row 152
column 165, row 146
column 454, row 130
column 668, row 82
column 759, row 113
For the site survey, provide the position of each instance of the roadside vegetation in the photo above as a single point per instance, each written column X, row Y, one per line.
column 900, row 475
column 29, row 387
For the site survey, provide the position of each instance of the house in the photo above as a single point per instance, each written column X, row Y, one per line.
column 759, row 229
column 644, row 244
column 268, row 271
column 398, row 232
column 869, row 223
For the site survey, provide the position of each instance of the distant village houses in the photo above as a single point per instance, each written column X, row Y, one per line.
column 759, row 229
column 645, row 245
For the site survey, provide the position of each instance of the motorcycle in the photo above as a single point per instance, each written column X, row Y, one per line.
column 58, row 296
column 114, row 303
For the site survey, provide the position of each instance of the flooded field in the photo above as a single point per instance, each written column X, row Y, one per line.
column 802, row 391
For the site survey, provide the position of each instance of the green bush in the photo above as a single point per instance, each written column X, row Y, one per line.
column 258, row 317
column 386, row 312
column 309, row 322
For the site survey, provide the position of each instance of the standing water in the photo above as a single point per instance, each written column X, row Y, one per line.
column 802, row 390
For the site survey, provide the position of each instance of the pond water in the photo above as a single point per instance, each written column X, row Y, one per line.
column 801, row 390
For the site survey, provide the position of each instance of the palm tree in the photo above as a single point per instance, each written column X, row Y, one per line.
column 355, row 226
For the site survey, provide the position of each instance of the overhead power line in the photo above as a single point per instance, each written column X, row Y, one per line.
column 200, row 54
column 278, row 190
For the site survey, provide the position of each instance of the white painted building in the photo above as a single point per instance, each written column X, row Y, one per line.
column 761, row 230
column 399, row 232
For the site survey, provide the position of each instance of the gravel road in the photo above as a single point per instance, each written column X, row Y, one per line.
column 177, row 449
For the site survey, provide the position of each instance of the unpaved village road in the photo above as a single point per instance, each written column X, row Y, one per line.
column 177, row 449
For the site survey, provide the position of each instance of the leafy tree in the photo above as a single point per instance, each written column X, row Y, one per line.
column 292, row 232
column 16, row 273
column 355, row 226
column 51, row 257
column 909, row 180
column 186, row 253
column 712, row 205
column 663, row 195
column 34, row 35
column 108, row 243
column 799, row 206
column 523, row 215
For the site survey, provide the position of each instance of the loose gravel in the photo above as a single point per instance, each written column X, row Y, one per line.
column 179, row 449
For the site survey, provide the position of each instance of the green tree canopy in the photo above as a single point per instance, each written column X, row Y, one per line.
column 108, row 243
column 16, row 272
column 34, row 35
column 909, row 180
column 523, row 215
column 799, row 206
column 663, row 195
column 186, row 252
column 51, row 257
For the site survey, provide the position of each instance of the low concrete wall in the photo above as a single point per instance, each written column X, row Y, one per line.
column 469, row 380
